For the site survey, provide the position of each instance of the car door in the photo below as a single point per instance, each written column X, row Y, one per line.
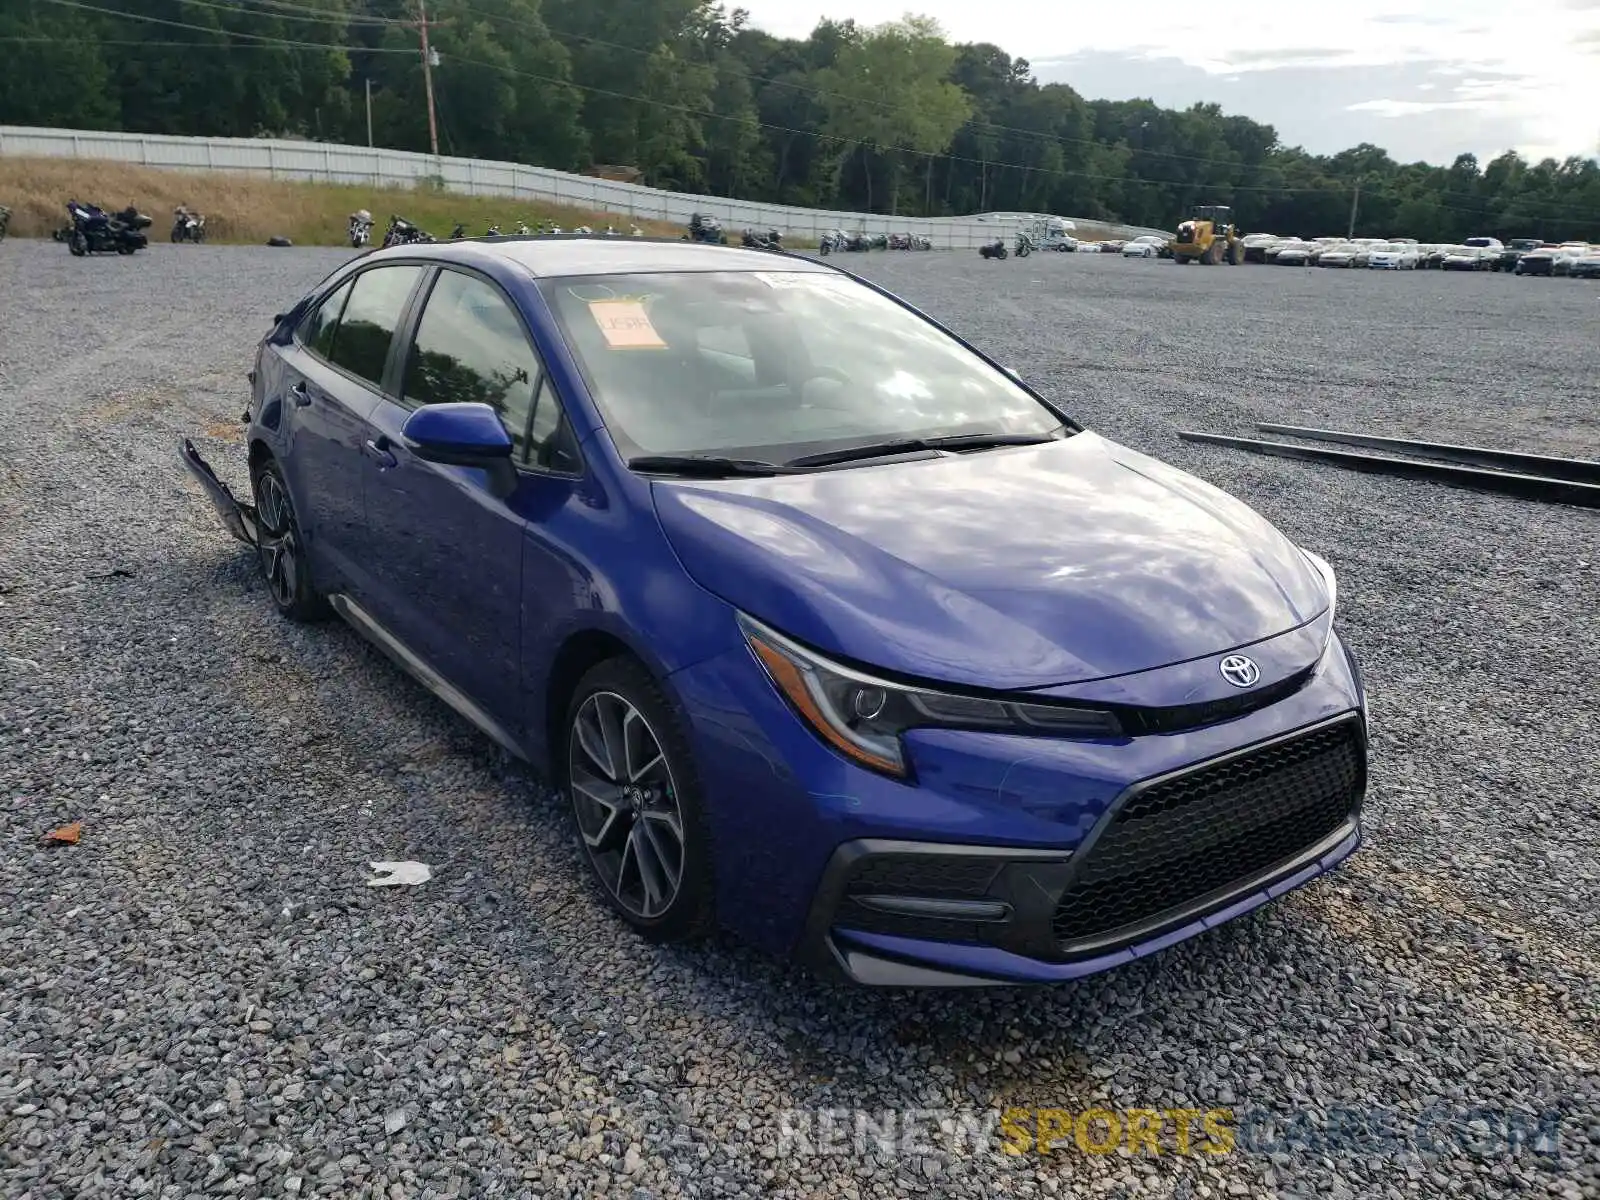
column 446, row 544
column 333, row 372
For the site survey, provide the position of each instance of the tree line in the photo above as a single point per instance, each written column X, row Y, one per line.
column 890, row 119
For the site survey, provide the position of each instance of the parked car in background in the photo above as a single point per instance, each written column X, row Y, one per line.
column 1114, row 247
column 1566, row 256
column 1586, row 265
column 1485, row 243
column 1296, row 255
column 771, row 625
column 1467, row 258
column 1145, row 246
column 1538, row 261
column 1339, row 256
column 1273, row 249
column 1393, row 256
column 1506, row 260
column 1320, row 247
column 1255, row 246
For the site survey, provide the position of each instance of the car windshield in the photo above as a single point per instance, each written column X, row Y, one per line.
column 774, row 365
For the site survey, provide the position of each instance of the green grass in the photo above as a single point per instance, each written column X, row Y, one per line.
column 250, row 209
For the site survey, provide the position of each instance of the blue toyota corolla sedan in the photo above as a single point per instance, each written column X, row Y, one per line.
column 829, row 629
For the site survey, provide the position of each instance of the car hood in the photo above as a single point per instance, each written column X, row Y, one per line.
column 1025, row 567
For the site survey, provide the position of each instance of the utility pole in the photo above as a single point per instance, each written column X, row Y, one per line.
column 369, row 110
column 427, row 75
column 1355, row 202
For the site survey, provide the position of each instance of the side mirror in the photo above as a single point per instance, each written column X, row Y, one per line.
column 458, row 434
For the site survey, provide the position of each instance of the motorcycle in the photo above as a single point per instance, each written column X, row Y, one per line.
column 402, row 232
column 636, row 232
column 523, row 230
column 459, row 232
column 858, row 243
column 1024, row 244
column 994, row 249
column 921, row 241
column 93, row 230
column 832, row 240
column 493, row 230
column 583, row 231
column 899, row 241
column 705, row 229
column 771, row 240
column 188, row 226
column 360, row 228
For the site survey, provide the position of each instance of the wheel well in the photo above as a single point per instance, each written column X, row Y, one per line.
column 258, row 454
column 573, row 661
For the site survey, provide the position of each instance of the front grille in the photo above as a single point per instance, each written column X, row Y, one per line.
column 1177, row 718
column 1176, row 842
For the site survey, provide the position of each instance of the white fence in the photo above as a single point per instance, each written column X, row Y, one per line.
column 363, row 165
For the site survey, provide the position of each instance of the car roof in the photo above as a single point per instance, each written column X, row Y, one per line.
column 547, row 256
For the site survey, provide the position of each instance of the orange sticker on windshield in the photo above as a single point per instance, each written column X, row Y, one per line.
column 624, row 325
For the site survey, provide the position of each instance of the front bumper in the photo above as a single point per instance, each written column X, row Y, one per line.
column 782, row 804
column 1170, row 858
column 238, row 518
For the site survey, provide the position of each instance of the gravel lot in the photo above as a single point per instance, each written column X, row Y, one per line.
column 203, row 997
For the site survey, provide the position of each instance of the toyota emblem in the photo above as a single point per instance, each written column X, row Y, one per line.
column 1239, row 670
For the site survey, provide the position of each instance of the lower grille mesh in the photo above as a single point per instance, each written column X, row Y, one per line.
column 1176, row 842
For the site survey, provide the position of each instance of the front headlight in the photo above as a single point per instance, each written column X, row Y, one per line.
column 863, row 717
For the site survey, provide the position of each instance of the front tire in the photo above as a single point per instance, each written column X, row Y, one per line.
column 78, row 244
column 280, row 548
column 635, row 795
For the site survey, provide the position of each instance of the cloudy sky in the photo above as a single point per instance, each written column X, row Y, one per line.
column 1425, row 79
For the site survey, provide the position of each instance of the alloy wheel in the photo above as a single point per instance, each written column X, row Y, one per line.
column 626, row 804
column 275, row 535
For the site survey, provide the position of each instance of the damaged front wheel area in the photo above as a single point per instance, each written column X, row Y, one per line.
column 280, row 549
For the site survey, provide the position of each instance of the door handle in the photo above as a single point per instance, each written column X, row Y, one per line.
column 301, row 394
column 377, row 449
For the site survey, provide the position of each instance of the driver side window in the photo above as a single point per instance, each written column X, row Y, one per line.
column 471, row 347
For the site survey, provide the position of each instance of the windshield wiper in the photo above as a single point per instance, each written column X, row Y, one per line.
column 706, row 466
column 955, row 441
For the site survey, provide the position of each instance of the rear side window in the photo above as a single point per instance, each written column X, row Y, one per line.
column 317, row 330
column 470, row 347
column 378, row 296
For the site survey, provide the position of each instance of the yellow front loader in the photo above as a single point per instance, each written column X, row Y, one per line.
column 1208, row 236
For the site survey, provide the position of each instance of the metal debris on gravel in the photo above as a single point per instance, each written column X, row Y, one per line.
column 196, row 1001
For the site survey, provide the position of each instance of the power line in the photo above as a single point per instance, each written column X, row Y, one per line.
column 227, row 33
column 329, row 14
column 548, row 30
column 321, row 17
column 192, row 45
column 332, row 16
column 264, row 41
